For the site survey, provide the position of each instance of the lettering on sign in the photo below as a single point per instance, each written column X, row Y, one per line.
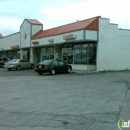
column 35, row 43
column 15, row 47
column 69, row 36
column 50, row 40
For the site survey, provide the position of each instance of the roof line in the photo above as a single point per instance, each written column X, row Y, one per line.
column 54, row 34
column 72, row 23
column 67, row 27
column 32, row 22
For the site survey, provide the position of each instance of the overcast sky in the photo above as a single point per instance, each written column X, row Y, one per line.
column 53, row 13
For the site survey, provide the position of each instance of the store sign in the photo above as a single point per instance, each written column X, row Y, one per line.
column 67, row 45
column 50, row 40
column 15, row 47
column 35, row 43
column 69, row 37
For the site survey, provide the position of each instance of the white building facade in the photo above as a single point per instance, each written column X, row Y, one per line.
column 92, row 44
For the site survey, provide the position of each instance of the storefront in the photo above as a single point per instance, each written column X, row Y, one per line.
column 26, row 54
column 14, row 53
column 47, row 53
column 82, row 53
column 87, row 45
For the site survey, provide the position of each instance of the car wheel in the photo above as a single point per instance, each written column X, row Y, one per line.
column 53, row 71
column 1, row 65
column 69, row 70
column 9, row 69
column 32, row 67
column 39, row 73
column 18, row 67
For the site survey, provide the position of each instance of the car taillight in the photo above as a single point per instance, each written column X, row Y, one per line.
column 36, row 66
column 45, row 66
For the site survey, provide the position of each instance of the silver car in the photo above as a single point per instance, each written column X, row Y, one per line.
column 18, row 64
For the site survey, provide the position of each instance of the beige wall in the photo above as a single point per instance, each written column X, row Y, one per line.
column 36, row 28
column 58, row 52
column 8, row 41
column 25, row 29
column 58, row 39
column 84, row 67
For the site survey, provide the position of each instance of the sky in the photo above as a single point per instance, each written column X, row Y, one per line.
column 53, row 13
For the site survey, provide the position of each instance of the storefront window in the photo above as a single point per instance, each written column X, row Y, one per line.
column 50, row 53
column 18, row 54
column 70, row 55
column 43, row 54
column 92, row 54
column 67, row 54
column 26, row 55
column 85, row 54
column 10, row 55
column 47, row 53
column 80, row 53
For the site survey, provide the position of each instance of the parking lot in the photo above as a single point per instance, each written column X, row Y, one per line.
column 76, row 101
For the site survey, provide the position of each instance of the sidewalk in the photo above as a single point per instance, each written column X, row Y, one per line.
column 83, row 71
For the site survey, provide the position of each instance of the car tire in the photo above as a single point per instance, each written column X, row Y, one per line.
column 39, row 73
column 1, row 65
column 53, row 72
column 18, row 67
column 9, row 69
column 69, row 70
column 32, row 66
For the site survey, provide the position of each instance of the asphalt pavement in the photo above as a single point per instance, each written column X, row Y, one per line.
column 76, row 101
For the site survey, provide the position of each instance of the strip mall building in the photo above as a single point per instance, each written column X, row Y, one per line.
column 91, row 44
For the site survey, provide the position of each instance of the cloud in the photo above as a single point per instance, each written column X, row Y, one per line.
column 54, row 13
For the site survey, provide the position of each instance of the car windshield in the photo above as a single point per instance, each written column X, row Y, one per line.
column 13, row 60
column 46, row 62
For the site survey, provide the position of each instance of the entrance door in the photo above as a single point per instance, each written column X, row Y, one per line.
column 38, row 53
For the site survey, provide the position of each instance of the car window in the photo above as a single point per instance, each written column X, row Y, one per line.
column 61, row 63
column 0, row 59
column 13, row 61
column 21, row 60
column 55, row 63
column 46, row 62
column 25, row 61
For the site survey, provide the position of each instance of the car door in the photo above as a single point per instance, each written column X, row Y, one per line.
column 21, row 63
column 56, row 66
column 62, row 66
column 26, row 64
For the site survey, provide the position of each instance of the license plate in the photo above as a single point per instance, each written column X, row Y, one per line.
column 40, row 66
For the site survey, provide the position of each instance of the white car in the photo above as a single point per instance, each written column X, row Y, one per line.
column 18, row 64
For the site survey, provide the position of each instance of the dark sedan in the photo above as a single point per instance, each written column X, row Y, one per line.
column 52, row 67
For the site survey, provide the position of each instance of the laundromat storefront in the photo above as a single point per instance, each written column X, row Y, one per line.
column 80, row 54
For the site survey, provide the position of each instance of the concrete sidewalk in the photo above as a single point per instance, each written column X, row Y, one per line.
column 83, row 71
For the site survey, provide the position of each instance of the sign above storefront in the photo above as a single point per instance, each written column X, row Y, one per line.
column 69, row 37
column 15, row 47
column 50, row 40
column 67, row 45
column 35, row 43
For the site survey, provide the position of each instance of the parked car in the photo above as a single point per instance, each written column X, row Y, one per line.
column 18, row 64
column 2, row 61
column 52, row 67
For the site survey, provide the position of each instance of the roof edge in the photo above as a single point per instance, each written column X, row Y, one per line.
column 73, row 23
column 39, row 23
column 1, row 36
